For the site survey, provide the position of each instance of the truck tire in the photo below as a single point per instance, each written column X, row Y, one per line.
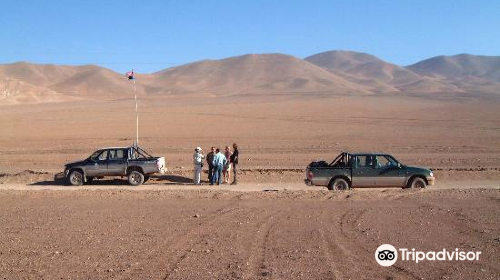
column 417, row 183
column 338, row 184
column 135, row 178
column 75, row 178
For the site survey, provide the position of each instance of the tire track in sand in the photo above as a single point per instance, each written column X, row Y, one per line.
column 348, row 221
column 331, row 259
column 187, row 240
column 256, row 267
column 180, row 243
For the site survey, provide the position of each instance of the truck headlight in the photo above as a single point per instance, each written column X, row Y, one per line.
column 431, row 174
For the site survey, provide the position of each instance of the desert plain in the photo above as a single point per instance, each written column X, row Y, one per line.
column 269, row 226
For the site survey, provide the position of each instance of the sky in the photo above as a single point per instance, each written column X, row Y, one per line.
column 151, row 35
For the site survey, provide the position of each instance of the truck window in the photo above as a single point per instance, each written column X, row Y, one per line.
column 362, row 161
column 116, row 154
column 103, row 155
column 120, row 154
column 382, row 162
column 99, row 155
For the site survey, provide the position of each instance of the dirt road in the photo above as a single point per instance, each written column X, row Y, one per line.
column 217, row 234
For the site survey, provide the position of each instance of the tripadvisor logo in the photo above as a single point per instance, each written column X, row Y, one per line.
column 387, row 255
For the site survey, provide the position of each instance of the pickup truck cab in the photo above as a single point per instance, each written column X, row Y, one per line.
column 366, row 170
column 133, row 162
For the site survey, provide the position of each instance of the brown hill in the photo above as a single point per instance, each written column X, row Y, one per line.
column 470, row 73
column 253, row 73
column 460, row 66
column 75, row 80
column 334, row 72
column 92, row 79
column 381, row 76
column 14, row 92
column 37, row 74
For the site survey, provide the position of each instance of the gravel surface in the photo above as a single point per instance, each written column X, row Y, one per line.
column 217, row 234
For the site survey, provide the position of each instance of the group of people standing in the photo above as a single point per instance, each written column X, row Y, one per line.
column 219, row 165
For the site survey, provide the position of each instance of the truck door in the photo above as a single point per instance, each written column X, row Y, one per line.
column 363, row 173
column 99, row 165
column 388, row 172
column 117, row 162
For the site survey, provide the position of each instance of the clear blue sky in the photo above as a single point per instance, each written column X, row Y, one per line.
column 152, row 35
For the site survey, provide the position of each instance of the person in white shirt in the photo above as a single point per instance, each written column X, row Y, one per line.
column 198, row 164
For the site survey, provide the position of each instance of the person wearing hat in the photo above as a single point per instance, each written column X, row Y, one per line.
column 198, row 165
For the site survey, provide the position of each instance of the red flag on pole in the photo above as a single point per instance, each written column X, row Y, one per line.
column 130, row 74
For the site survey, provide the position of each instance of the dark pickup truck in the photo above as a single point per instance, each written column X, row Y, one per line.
column 133, row 162
column 366, row 170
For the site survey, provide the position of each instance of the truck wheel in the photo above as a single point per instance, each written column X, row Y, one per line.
column 135, row 178
column 417, row 183
column 338, row 184
column 76, row 178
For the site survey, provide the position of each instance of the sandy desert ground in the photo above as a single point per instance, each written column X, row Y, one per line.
column 272, row 132
column 214, row 234
column 276, row 228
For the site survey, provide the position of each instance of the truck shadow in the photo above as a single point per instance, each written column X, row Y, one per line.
column 155, row 179
column 107, row 182
column 172, row 179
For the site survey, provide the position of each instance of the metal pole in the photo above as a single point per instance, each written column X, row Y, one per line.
column 136, row 117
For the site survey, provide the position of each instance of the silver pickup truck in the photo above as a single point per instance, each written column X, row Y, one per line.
column 133, row 162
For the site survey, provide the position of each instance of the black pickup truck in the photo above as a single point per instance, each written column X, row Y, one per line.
column 133, row 162
column 366, row 170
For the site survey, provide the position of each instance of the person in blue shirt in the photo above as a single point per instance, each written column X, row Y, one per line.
column 218, row 163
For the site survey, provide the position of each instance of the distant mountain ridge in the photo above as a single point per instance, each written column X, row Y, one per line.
column 459, row 66
column 330, row 73
column 372, row 71
column 253, row 73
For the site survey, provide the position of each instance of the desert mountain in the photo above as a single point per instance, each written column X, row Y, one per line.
column 470, row 73
column 13, row 92
column 37, row 74
column 333, row 72
column 460, row 66
column 74, row 80
column 253, row 73
column 381, row 76
column 92, row 79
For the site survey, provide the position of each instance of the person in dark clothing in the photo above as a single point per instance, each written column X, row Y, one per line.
column 234, row 161
column 210, row 159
